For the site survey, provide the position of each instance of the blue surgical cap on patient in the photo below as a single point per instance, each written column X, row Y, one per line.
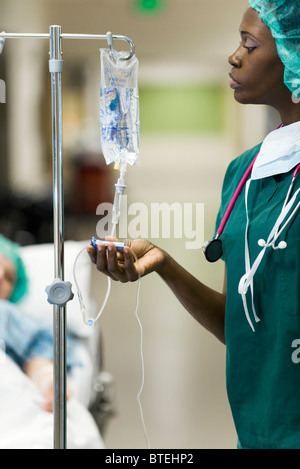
column 11, row 251
column 283, row 19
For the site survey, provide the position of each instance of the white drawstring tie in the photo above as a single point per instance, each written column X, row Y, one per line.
column 247, row 279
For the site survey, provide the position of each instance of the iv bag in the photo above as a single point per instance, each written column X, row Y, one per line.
column 119, row 108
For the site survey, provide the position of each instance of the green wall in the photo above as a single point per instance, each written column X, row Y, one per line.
column 178, row 109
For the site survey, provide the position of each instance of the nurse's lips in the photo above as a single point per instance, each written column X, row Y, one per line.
column 233, row 83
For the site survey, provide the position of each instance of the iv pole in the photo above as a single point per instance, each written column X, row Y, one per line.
column 59, row 292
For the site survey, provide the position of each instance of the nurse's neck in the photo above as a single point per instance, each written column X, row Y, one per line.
column 290, row 112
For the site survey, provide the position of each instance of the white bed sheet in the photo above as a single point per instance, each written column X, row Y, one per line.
column 25, row 425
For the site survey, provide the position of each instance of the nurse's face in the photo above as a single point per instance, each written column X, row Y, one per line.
column 257, row 74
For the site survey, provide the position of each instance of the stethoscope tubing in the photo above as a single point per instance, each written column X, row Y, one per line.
column 235, row 197
column 213, row 249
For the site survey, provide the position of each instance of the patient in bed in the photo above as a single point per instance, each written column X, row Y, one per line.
column 24, row 339
column 26, row 344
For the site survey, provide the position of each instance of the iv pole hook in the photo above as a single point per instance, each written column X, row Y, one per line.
column 110, row 40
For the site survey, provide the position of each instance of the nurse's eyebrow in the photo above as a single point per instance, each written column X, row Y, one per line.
column 246, row 33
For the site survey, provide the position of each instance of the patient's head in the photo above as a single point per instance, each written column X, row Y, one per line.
column 13, row 278
column 7, row 277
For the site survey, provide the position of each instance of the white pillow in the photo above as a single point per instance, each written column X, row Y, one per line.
column 39, row 262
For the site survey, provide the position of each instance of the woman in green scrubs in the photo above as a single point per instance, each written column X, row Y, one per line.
column 263, row 377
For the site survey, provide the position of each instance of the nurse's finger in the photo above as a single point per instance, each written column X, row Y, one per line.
column 101, row 261
column 92, row 253
column 129, row 265
column 114, row 267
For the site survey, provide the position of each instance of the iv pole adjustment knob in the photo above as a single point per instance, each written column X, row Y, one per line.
column 59, row 292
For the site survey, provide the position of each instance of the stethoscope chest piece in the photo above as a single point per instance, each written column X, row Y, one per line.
column 213, row 250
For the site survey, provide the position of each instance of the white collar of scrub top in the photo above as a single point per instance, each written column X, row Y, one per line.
column 280, row 153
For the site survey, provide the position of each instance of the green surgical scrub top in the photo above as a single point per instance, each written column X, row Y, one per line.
column 262, row 367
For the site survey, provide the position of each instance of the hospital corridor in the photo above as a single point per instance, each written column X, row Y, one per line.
column 144, row 373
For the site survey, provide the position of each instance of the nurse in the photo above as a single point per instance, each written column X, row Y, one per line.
column 258, row 314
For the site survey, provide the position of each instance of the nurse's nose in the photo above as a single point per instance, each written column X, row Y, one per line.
column 235, row 59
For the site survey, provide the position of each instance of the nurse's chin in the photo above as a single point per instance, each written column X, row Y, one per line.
column 242, row 97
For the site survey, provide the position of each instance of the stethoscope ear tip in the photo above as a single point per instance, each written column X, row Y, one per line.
column 262, row 243
column 282, row 245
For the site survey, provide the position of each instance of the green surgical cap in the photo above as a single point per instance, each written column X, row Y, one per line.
column 11, row 251
column 283, row 19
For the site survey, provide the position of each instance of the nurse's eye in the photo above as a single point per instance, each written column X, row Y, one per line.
column 249, row 49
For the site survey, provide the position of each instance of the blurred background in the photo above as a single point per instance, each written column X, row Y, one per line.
column 191, row 128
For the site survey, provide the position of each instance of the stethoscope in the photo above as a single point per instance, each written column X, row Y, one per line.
column 213, row 249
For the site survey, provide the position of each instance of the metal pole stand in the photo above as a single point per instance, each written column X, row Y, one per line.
column 57, row 291
column 58, row 294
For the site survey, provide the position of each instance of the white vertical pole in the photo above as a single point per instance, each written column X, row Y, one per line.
column 59, row 312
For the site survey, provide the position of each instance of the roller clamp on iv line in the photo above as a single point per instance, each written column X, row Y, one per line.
column 95, row 242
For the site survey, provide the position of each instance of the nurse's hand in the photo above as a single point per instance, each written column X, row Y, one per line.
column 137, row 259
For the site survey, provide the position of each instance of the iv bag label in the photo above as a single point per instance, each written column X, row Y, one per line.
column 119, row 117
column 119, row 109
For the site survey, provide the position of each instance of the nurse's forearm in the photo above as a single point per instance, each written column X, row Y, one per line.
column 204, row 304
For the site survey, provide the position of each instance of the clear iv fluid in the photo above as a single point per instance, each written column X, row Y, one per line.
column 120, row 127
column 119, row 108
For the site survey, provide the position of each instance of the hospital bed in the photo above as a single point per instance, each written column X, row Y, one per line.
column 91, row 402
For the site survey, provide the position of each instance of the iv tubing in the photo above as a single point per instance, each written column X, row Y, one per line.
column 91, row 322
column 120, row 187
column 141, row 356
